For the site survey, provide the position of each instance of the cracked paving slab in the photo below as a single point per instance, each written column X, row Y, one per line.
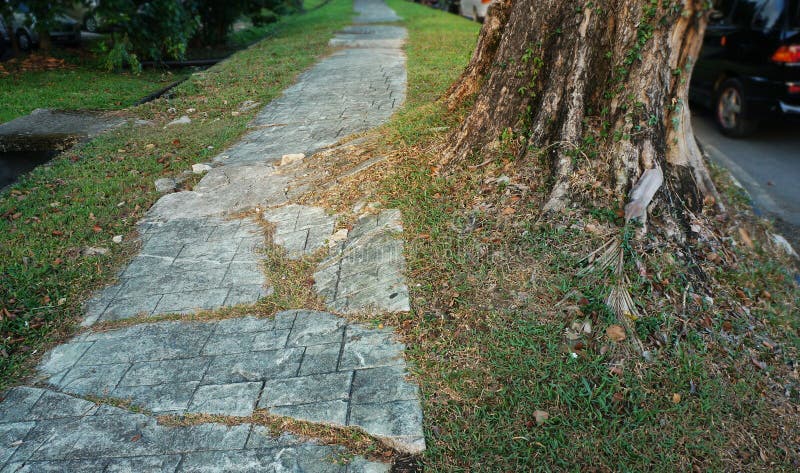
column 300, row 229
column 186, row 265
column 366, row 271
column 42, row 430
column 303, row 364
column 308, row 365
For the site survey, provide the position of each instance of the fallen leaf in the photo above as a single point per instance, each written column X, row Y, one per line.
column 676, row 398
column 745, row 236
column 759, row 364
column 616, row 333
column 727, row 326
column 508, row 211
column 541, row 417
column 136, row 437
column 97, row 229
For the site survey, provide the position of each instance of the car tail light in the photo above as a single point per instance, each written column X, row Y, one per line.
column 787, row 54
column 486, row 1
column 794, row 87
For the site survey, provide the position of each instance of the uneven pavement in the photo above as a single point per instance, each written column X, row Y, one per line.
column 94, row 403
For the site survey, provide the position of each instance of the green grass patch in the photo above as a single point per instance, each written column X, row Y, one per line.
column 88, row 195
column 489, row 345
column 77, row 87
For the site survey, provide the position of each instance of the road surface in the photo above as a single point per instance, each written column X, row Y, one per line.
column 767, row 164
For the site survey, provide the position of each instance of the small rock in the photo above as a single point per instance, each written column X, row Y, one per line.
column 191, row 110
column 503, row 180
column 338, row 236
column 117, row 239
column 292, row 158
column 143, row 122
column 172, row 110
column 616, row 333
column 248, row 105
column 149, row 146
column 93, row 251
column 235, row 113
column 165, row 184
column 200, row 168
column 783, row 244
column 184, row 120
column 359, row 206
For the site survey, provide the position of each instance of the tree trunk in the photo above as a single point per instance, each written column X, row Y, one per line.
column 601, row 85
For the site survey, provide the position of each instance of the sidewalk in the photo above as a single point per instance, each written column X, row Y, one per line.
column 95, row 404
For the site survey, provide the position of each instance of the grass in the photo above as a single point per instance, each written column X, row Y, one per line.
column 495, row 292
column 488, row 335
column 88, row 195
column 80, row 82
column 75, row 87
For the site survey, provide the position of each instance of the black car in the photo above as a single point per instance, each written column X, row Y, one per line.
column 749, row 67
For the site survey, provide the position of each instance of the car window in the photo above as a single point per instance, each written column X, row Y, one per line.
column 768, row 15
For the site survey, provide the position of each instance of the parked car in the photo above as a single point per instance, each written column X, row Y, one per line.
column 749, row 67
column 65, row 30
column 5, row 39
column 89, row 16
column 474, row 9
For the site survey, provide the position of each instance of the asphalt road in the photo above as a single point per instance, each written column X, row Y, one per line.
column 767, row 164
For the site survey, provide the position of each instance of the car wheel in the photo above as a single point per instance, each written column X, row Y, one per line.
column 730, row 110
column 24, row 41
column 90, row 24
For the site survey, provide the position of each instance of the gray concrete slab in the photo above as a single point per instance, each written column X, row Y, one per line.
column 365, row 272
column 198, row 252
column 116, row 440
column 306, row 364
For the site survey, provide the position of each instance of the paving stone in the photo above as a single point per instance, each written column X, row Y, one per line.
column 210, row 437
column 53, row 405
column 367, row 271
column 18, row 402
column 244, row 325
column 400, row 422
column 12, row 435
column 306, row 389
column 300, row 229
column 325, row 412
column 192, row 300
column 148, row 464
column 270, row 340
column 246, row 294
column 148, row 373
column 185, row 265
column 383, row 384
column 113, row 439
column 320, row 359
column 365, row 348
column 316, row 328
column 235, row 399
column 256, row 366
column 95, row 380
column 167, row 397
column 360, row 465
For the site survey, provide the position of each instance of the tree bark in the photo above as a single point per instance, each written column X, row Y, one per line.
column 601, row 85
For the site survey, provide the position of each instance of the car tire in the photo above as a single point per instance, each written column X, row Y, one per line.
column 24, row 41
column 730, row 110
column 90, row 24
column 475, row 14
